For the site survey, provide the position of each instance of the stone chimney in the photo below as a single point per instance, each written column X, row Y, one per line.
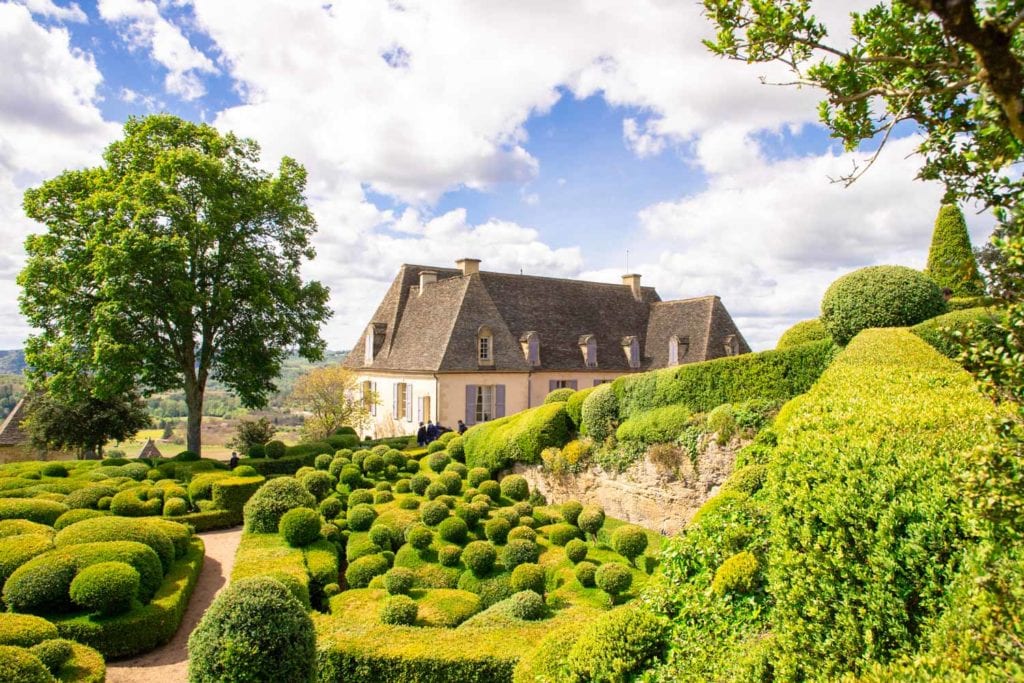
column 468, row 266
column 633, row 282
column 426, row 277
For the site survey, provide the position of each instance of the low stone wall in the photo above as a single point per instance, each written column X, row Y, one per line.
column 642, row 494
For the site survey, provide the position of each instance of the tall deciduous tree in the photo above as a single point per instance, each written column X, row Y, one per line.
column 333, row 398
column 174, row 262
column 84, row 423
column 951, row 260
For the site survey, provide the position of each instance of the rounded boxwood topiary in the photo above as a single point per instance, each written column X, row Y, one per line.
column 469, row 514
column 526, row 604
column 560, row 534
column 457, row 468
column 361, row 517
column 382, row 497
column 360, row 497
column 738, row 574
column 453, row 530
column 323, row 461
column 53, row 653
column 433, row 513
column 559, row 395
column 528, row 577
column 373, row 464
column 419, row 484
column 436, row 490
column 53, row 469
column 257, row 450
column 33, row 509
column 319, row 483
column 618, row 645
column 17, row 664
column 245, row 471
column 879, row 296
column 600, row 413
column 613, row 578
column 491, row 489
column 255, row 630
column 362, row 570
column 419, row 536
column 351, row 476
column 409, row 503
column 300, row 527
column 382, row 536
column 76, row 515
column 479, row 557
column 438, row 461
column 24, row 630
column 591, row 520
column 477, row 476
column 524, row 533
column 585, row 572
column 330, row 507
column 449, row 555
column 399, row 610
column 630, row 541
column 801, row 333
column 497, row 530
column 576, row 550
column 175, row 507
column 399, row 580
column 515, row 487
column 402, row 486
column 435, row 446
column 275, row 449
column 518, row 552
column 457, row 449
column 106, row 587
column 331, row 589
column 452, row 482
column 264, row 509
column 571, row 511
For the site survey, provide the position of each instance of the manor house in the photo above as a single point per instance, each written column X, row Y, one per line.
column 449, row 344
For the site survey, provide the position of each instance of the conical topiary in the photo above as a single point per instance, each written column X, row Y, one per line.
column 950, row 260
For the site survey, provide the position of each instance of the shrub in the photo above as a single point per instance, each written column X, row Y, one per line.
column 559, row 395
column 409, row 504
column 456, row 449
column 53, row 469
column 560, row 534
column 576, row 550
column 519, row 552
column 574, row 406
column 479, row 557
column 491, row 489
column 526, row 604
column 323, row 461
column 630, row 541
column 747, row 480
column 497, row 530
column 399, row 581
column 436, row 489
column 517, row 438
column 152, row 533
column 300, row 527
column 419, row 537
column 53, row 653
column 373, row 464
column 585, row 573
column 351, row 476
column 360, row 497
column 24, row 630
column 613, row 578
column 257, row 450
column 972, row 324
column 362, row 570
column 106, row 587
column 33, row 509
column 319, row 483
column 528, row 576
column 17, row 664
column 275, row 449
column 76, row 515
column 437, row 461
column 175, row 507
column 951, row 262
column 515, row 487
column 419, row 484
column 330, row 507
column 331, row 589
column 591, row 520
column 264, row 509
column 382, row 536
column 738, row 574
column 571, row 510
column 361, row 517
column 452, row 482
column 879, row 296
column 449, row 556
column 803, row 332
column 478, row 475
column 255, row 630
column 433, row 512
column 435, row 447
column 618, row 645
column 600, row 413
column 659, row 425
column 453, row 530
column 399, row 610
column 522, row 533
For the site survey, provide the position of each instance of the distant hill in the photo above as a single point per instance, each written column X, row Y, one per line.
column 12, row 362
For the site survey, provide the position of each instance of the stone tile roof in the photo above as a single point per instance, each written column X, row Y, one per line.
column 437, row 330
column 11, row 433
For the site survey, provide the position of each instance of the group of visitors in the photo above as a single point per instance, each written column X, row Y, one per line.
column 431, row 432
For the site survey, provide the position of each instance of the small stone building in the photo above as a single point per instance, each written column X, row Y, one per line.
column 449, row 344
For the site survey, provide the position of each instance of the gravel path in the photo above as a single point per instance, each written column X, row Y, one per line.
column 169, row 663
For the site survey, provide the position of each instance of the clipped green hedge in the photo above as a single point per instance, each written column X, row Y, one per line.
column 270, row 555
column 97, row 529
column 144, row 627
column 803, row 332
column 517, row 438
column 25, row 630
column 659, row 425
column 232, row 493
column 210, row 520
column 775, row 375
column 984, row 320
column 32, row 509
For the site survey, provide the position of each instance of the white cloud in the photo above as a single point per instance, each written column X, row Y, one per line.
column 51, row 10
column 143, row 28
column 640, row 138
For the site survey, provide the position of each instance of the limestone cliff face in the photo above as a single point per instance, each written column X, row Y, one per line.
column 644, row 494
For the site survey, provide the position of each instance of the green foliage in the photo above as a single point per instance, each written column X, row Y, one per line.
column 478, row 475
column 361, row 517
column 746, row 480
column 264, row 509
column 528, row 576
column 972, row 324
column 559, row 395
column 275, row 450
column 803, row 332
column 738, row 574
column 879, row 296
column 527, row 604
column 300, row 527
column 453, row 530
column 456, row 448
column 518, row 552
column 32, row 509
column 72, row 516
column 770, row 375
column 135, row 502
column 497, row 530
column 105, row 587
column 54, row 653
column 659, row 425
column 591, row 519
column 630, row 541
column 515, row 487
column 491, row 489
column 574, row 406
column 586, row 573
column 517, row 438
column 950, row 259
column 18, row 664
column 53, row 469
column 576, row 550
column 361, row 571
column 433, row 512
column 252, row 434
column 419, row 537
column 449, row 556
column 479, row 557
column 561, row 534
column 599, row 415
column 399, row 610
column 254, row 630
column 24, row 630
column 399, row 581
column 617, row 646
column 79, row 420
column 613, row 578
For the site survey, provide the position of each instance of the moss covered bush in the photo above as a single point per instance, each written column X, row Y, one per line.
column 361, row 517
column 363, row 570
column 449, row 556
column 399, row 581
column 497, row 530
column 879, row 296
column 561, row 534
column 515, row 487
column 528, row 576
column 518, row 552
column 106, row 587
column 630, row 541
column 433, row 512
column 479, row 557
column 255, row 630
column 300, row 527
column 264, row 509
column 453, row 530
column 419, row 537
column 399, row 610
column 613, row 578
column 738, row 574
column 617, row 646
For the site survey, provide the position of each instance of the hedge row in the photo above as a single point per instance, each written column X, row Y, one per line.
column 146, row 627
column 517, row 438
column 937, row 330
column 270, row 555
column 776, row 375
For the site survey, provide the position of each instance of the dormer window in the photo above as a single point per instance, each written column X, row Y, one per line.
column 677, row 348
column 588, row 347
column 631, row 347
column 368, row 348
column 732, row 345
column 530, row 343
column 485, row 346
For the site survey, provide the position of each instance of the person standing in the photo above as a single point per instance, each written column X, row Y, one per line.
column 462, row 427
column 421, row 436
column 432, row 432
column 233, row 462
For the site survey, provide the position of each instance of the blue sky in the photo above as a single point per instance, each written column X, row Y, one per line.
column 547, row 138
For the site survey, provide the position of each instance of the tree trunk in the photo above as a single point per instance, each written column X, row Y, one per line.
column 194, row 402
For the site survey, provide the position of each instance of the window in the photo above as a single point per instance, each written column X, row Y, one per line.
column 599, row 382
column 485, row 346
column 402, row 407
column 368, row 348
column 530, row 343
column 588, row 346
column 424, row 409
column 732, row 345
column 484, row 403
column 677, row 348
column 631, row 347
column 370, row 396
column 562, row 384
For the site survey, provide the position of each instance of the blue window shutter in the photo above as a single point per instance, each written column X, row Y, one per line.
column 598, row 382
column 470, row 404
column 408, row 403
column 394, row 401
column 552, row 385
column 573, row 384
column 499, row 401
